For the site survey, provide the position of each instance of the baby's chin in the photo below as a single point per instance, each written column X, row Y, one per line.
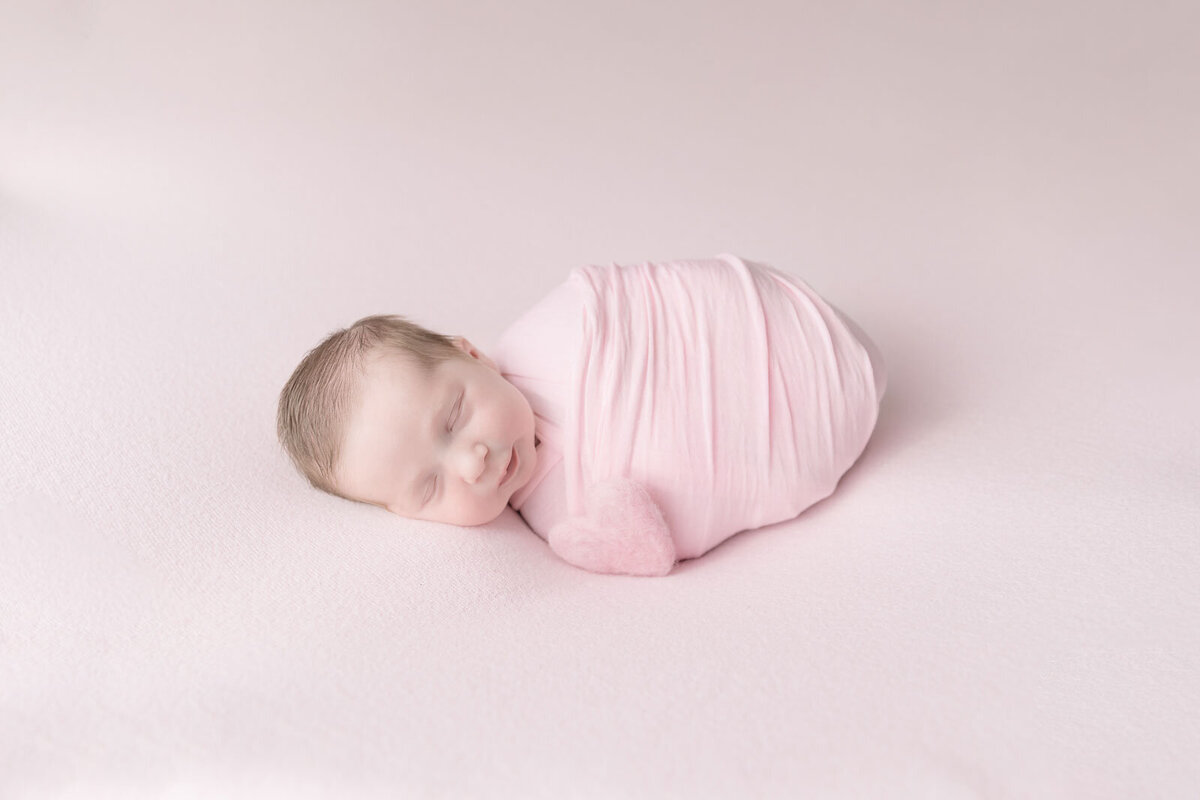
column 473, row 519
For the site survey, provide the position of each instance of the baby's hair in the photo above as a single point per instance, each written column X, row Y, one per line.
column 316, row 401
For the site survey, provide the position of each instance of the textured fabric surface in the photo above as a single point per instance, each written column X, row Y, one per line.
column 1000, row 600
column 619, row 531
column 730, row 390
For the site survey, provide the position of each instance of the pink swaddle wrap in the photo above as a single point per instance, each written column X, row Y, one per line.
column 729, row 391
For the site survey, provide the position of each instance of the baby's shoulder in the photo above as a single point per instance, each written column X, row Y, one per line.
column 546, row 336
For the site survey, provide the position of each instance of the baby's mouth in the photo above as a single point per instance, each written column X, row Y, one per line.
column 511, row 468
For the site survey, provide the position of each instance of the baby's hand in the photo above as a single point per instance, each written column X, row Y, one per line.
column 623, row 532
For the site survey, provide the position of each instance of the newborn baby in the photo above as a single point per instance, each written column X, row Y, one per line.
column 636, row 416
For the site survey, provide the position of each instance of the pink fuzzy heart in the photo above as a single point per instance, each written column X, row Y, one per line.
column 623, row 533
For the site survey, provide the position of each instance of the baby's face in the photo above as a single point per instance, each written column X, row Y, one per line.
column 452, row 447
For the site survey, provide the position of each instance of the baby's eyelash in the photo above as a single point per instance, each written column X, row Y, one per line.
column 454, row 415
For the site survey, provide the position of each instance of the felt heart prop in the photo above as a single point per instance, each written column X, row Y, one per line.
column 623, row 532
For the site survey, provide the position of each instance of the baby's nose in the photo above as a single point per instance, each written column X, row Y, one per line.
column 475, row 463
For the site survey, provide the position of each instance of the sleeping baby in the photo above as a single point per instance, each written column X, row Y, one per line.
column 638, row 415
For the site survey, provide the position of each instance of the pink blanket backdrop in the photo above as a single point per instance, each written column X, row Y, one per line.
column 999, row 601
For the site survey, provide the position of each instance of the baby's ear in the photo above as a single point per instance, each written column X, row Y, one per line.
column 464, row 344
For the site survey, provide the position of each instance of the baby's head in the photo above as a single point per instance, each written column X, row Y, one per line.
column 388, row 413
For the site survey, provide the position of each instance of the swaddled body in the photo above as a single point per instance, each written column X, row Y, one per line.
column 728, row 390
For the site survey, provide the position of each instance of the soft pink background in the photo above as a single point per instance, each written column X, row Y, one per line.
column 1001, row 600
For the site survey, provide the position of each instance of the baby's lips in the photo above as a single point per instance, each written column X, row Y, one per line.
column 511, row 463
